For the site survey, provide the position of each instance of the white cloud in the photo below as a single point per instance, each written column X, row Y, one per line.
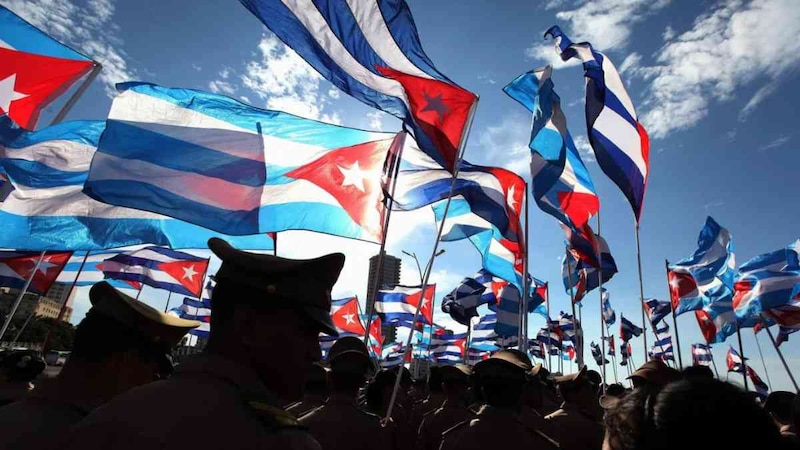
column 88, row 29
column 334, row 93
column 505, row 144
column 222, row 87
column 287, row 83
column 225, row 73
column 245, row 99
column 760, row 95
column 668, row 34
column 778, row 142
column 197, row 67
column 722, row 52
column 607, row 23
column 584, row 148
column 731, row 135
column 487, row 78
column 631, row 64
column 545, row 53
column 375, row 122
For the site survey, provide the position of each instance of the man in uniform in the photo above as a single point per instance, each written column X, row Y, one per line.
column 455, row 385
column 339, row 423
column 574, row 425
column 534, row 400
column 120, row 344
column 315, row 392
column 498, row 424
column 430, row 404
column 266, row 316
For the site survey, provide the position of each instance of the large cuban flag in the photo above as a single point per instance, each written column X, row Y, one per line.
column 370, row 49
column 399, row 304
column 34, row 69
column 620, row 142
column 767, row 282
column 708, row 275
column 237, row 169
column 47, row 209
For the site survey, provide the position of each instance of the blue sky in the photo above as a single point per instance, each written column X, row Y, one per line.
column 711, row 81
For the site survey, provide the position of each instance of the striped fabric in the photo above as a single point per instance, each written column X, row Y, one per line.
column 161, row 268
column 199, row 310
column 767, row 281
column 701, row 355
column 399, row 304
column 620, row 142
column 597, row 354
column 735, row 362
column 656, row 310
column 627, row 330
column 609, row 315
column 462, row 303
column 508, row 312
column 717, row 321
column 483, row 332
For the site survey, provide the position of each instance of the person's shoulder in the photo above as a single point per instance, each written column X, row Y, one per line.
column 546, row 441
column 557, row 414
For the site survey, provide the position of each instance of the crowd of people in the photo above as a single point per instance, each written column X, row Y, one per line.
column 260, row 383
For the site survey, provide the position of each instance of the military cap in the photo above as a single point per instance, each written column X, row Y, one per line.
column 150, row 323
column 348, row 345
column 656, row 372
column 505, row 363
column 304, row 284
column 576, row 377
column 457, row 373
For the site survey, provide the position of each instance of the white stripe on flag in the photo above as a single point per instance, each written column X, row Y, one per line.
column 624, row 135
column 69, row 156
column 71, row 201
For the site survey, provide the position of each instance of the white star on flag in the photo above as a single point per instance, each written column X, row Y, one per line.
column 512, row 202
column 353, row 176
column 7, row 92
column 189, row 273
column 349, row 318
column 45, row 265
column 424, row 302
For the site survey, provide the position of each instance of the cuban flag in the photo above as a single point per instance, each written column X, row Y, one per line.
column 448, row 346
column 474, row 356
column 91, row 271
column 609, row 315
column 767, row 281
column 17, row 267
column 708, row 275
column 237, row 169
column 580, row 277
column 665, row 353
column 371, row 51
column 568, row 353
column 560, row 182
column 762, row 389
column 625, row 353
column 394, row 356
column 536, row 349
column 612, row 349
column 199, row 310
column 376, row 336
column 483, row 331
column 494, row 194
column 735, row 362
column 508, row 312
column 551, row 336
column 619, row 141
column 783, row 334
column 627, row 330
column 35, row 69
column 161, row 268
column 597, row 353
column 47, row 209
column 656, row 310
column 492, row 284
column 346, row 316
column 701, row 355
column 567, row 325
column 662, row 347
column 717, row 321
column 538, row 295
column 400, row 303
column 462, row 303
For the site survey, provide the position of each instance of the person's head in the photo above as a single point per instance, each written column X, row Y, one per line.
column 420, row 389
column 379, row 392
column 435, row 380
column 21, row 366
column 350, row 364
column 698, row 373
column 779, row 406
column 502, row 378
column 316, row 382
column 596, row 379
column 455, row 383
column 655, row 374
column 576, row 388
column 267, row 313
column 129, row 341
column 667, row 419
column 534, row 388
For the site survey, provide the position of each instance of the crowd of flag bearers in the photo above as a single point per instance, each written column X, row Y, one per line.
column 101, row 204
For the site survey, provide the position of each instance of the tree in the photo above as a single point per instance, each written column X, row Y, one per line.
column 38, row 327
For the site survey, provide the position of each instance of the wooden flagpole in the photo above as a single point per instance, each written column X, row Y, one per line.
column 20, row 295
column 674, row 317
column 600, row 292
column 398, row 146
column 783, row 360
column 578, row 323
column 63, row 308
column 429, row 266
column 763, row 362
column 77, row 95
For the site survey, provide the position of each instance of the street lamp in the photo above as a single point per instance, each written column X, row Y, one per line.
column 416, row 260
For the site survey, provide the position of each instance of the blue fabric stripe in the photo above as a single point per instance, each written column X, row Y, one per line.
column 311, row 216
column 169, row 253
column 37, row 175
column 82, row 131
column 173, row 287
column 197, row 303
column 12, row 282
column 127, row 141
column 25, row 37
column 619, row 167
column 120, row 192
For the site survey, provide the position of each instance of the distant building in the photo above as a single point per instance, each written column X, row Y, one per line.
column 389, row 277
column 47, row 306
column 419, row 368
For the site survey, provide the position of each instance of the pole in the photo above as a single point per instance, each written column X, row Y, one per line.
column 547, row 307
column 77, row 95
column 674, row 319
column 714, row 363
column 613, row 359
column 370, row 306
column 783, row 360
column 275, row 244
column 579, row 326
column 741, row 354
column 63, row 309
column 526, row 281
column 641, row 286
column 19, row 333
column 19, row 297
column 429, row 266
column 140, row 291
column 600, row 292
column 169, row 295
column 469, row 336
column 763, row 362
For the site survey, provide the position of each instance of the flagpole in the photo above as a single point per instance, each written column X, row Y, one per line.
column 674, row 316
column 169, row 295
column 613, row 357
column 429, row 266
column 579, row 326
column 19, row 333
column 763, row 362
column 77, row 95
column 370, row 305
column 741, row 354
column 714, row 363
column 63, row 308
column 641, row 285
column 469, row 336
column 141, row 286
column 547, row 306
column 600, row 292
column 783, row 360
column 526, row 282
column 19, row 297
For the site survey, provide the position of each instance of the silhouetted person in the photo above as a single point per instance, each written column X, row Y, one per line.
column 454, row 410
column 779, row 406
column 576, row 425
column 315, row 392
column 18, row 369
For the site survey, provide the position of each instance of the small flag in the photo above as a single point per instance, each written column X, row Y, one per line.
column 624, row 352
column 345, row 316
column 199, row 310
column 627, row 330
column 701, row 355
column 399, row 304
column 611, row 348
column 609, row 316
column 567, row 326
column 161, row 268
column 762, row 389
column 508, row 312
column 483, row 331
column 735, row 362
column 474, row 356
column 767, row 282
column 598, row 354
column 656, row 310
column 16, row 268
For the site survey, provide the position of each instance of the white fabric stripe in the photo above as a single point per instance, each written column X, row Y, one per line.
column 310, row 17
column 395, row 307
column 69, row 156
column 155, row 256
column 466, row 219
column 615, row 85
column 195, row 311
column 86, row 275
column 497, row 249
column 296, row 191
column 568, row 177
column 66, row 201
column 621, row 133
column 154, row 274
column 370, row 19
column 199, row 188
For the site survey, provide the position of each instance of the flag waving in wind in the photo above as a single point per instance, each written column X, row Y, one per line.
column 766, row 282
column 656, row 310
column 735, row 362
column 609, row 316
column 619, row 141
column 627, row 330
column 161, row 268
column 17, row 267
column 399, row 304
column 371, row 51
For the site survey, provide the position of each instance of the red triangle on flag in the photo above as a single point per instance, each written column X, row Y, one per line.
column 49, row 268
column 347, row 320
column 190, row 274
column 30, row 82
